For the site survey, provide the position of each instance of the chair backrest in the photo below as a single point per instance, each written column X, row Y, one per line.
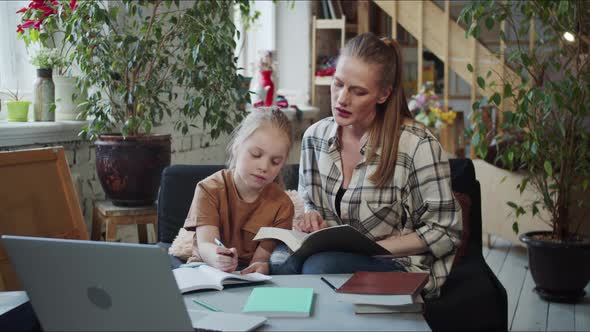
column 178, row 183
column 463, row 181
column 177, row 188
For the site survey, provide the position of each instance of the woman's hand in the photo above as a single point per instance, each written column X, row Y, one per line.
column 226, row 259
column 260, row 267
column 312, row 221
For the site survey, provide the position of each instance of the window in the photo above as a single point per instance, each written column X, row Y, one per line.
column 15, row 69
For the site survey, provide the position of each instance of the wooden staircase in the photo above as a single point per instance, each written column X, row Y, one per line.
column 434, row 29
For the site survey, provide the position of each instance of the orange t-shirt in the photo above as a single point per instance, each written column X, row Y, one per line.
column 217, row 203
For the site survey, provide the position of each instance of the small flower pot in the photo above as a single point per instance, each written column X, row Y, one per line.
column 18, row 111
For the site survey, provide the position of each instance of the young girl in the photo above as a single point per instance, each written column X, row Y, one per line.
column 230, row 206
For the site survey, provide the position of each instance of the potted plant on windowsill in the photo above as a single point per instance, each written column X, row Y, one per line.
column 147, row 62
column 550, row 115
column 17, row 109
column 42, row 26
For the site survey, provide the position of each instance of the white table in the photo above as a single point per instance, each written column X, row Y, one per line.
column 327, row 313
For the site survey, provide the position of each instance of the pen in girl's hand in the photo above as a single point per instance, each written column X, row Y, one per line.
column 219, row 243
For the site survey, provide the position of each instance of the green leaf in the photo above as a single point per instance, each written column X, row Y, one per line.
column 515, row 227
column 496, row 98
column 508, row 90
column 535, row 209
column 512, row 205
column 548, row 168
column 489, row 23
column 503, row 179
column 470, row 68
column 481, row 82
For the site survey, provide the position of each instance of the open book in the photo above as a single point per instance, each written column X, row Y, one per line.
column 336, row 238
column 205, row 276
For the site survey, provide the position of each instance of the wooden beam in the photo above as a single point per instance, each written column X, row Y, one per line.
column 420, row 44
column 394, row 21
column 342, row 31
column 446, row 58
column 532, row 35
column 362, row 15
column 473, row 44
column 502, row 76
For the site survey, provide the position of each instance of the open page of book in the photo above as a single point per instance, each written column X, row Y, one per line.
column 205, row 277
column 291, row 238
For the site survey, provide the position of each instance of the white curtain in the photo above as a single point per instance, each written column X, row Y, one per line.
column 15, row 69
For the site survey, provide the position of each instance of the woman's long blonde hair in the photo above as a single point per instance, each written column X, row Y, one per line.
column 386, row 128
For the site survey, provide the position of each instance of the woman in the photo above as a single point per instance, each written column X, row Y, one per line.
column 372, row 167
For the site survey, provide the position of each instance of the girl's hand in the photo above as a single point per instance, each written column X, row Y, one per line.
column 260, row 267
column 226, row 259
column 312, row 221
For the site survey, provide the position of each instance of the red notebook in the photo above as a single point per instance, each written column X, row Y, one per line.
column 385, row 283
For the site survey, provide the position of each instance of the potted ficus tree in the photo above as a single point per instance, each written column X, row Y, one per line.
column 147, row 62
column 546, row 132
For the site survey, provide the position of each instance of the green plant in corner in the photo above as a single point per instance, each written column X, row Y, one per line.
column 141, row 60
column 549, row 104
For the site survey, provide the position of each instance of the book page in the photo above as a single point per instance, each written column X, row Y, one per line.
column 205, row 276
column 189, row 279
column 291, row 238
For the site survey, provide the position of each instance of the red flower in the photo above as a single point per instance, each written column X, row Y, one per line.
column 22, row 10
column 73, row 4
column 37, row 24
column 27, row 24
column 46, row 9
column 19, row 29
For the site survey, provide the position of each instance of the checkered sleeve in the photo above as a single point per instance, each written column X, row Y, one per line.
column 307, row 167
column 435, row 212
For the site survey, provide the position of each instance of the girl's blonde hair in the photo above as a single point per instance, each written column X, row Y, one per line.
column 386, row 128
column 259, row 117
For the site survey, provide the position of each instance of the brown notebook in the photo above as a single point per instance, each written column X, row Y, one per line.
column 385, row 283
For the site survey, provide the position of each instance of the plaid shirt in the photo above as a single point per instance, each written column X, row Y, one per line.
column 418, row 199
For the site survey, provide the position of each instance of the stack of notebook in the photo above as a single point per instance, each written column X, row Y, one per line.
column 384, row 292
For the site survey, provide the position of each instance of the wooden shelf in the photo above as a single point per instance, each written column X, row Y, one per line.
column 323, row 80
column 330, row 23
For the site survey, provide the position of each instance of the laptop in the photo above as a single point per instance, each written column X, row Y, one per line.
column 78, row 285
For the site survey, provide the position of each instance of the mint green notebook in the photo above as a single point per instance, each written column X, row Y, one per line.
column 280, row 302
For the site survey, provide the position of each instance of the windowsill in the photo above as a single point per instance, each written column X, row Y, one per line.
column 28, row 133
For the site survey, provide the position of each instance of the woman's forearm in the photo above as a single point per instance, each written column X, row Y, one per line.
column 404, row 245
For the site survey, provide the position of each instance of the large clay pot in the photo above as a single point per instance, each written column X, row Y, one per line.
column 129, row 168
column 561, row 271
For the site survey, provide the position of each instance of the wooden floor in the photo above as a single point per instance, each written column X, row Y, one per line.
column 526, row 310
